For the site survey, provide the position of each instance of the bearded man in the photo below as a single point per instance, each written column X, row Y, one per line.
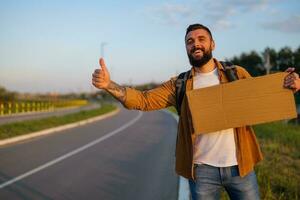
column 210, row 161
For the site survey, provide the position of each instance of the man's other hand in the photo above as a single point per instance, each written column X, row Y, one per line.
column 292, row 80
column 101, row 77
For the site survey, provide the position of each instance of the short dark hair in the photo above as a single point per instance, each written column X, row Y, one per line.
column 193, row 27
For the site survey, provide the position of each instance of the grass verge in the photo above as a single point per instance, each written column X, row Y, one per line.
column 278, row 174
column 21, row 128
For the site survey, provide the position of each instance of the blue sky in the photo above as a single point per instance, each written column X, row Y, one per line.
column 54, row 46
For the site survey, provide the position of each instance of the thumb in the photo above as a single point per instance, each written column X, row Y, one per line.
column 102, row 64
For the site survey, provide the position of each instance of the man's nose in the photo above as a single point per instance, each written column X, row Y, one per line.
column 197, row 44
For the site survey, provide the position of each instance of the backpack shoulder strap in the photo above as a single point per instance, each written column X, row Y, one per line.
column 180, row 89
column 230, row 71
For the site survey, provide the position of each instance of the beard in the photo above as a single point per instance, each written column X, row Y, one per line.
column 207, row 55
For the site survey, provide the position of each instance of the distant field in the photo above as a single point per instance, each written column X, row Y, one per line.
column 279, row 173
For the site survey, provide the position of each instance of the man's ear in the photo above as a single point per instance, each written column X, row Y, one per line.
column 212, row 45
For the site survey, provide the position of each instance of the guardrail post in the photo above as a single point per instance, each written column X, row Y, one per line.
column 9, row 108
column 17, row 107
column 1, row 109
column 22, row 107
column 37, row 106
column 27, row 107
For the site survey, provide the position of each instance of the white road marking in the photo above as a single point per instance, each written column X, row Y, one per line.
column 72, row 153
column 184, row 188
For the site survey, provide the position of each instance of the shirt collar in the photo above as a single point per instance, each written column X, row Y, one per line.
column 217, row 63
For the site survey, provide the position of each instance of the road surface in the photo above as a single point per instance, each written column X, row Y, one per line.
column 129, row 156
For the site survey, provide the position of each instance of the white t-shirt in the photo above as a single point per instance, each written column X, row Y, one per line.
column 216, row 148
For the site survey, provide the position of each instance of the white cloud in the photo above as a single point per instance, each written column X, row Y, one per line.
column 218, row 14
column 222, row 24
column 170, row 13
column 287, row 25
column 250, row 5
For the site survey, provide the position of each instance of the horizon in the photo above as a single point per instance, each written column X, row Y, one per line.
column 55, row 46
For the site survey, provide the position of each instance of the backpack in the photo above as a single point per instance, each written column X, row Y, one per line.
column 230, row 71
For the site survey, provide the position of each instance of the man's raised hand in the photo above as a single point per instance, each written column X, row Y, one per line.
column 101, row 77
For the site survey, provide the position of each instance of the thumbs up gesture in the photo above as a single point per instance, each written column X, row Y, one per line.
column 101, row 77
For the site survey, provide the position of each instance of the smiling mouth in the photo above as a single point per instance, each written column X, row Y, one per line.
column 198, row 51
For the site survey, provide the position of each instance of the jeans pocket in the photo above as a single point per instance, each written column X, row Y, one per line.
column 234, row 171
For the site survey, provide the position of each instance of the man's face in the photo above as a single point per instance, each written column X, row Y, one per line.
column 199, row 47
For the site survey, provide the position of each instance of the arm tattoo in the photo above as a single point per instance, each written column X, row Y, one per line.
column 117, row 91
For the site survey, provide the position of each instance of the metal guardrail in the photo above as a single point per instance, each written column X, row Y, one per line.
column 9, row 108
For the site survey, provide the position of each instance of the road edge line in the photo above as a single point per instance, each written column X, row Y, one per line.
column 57, row 128
column 183, row 184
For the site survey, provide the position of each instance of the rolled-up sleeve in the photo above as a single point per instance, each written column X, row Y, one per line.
column 160, row 97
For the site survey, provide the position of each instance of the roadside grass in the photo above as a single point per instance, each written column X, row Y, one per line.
column 278, row 174
column 25, row 127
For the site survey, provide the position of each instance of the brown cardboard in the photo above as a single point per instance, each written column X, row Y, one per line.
column 239, row 103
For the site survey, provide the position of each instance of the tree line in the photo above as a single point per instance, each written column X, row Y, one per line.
column 11, row 96
column 256, row 63
column 6, row 95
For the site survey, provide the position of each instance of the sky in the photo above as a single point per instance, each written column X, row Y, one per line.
column 54, row 46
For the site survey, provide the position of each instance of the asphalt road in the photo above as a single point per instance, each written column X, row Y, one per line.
column 128, row 156
column 38, row 115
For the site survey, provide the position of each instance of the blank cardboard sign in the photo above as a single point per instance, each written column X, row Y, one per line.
column 239, row 103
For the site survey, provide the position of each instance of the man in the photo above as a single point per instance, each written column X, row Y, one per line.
column 209, row 160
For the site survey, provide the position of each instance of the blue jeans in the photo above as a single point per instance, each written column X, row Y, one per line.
column 209, row 181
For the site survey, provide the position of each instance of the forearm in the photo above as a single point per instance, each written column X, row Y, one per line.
column 117, row 91
column 157, row 98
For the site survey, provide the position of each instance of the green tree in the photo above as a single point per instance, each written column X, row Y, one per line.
column 285, row 58
column 252, row 62
column 6, row 95
column 297, row 59
column 235, row 60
